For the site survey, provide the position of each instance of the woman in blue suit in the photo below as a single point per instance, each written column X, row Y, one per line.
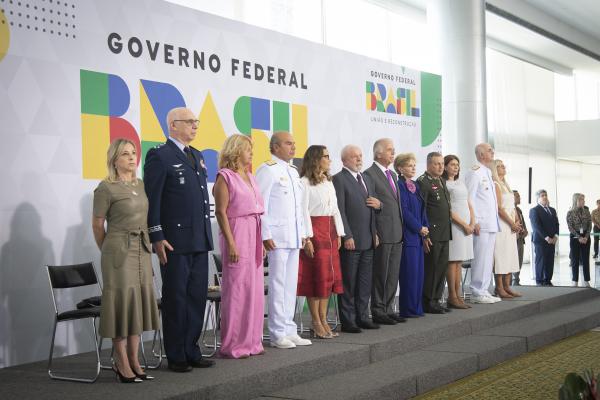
column 415, row 229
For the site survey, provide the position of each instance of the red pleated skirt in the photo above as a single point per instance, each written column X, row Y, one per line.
column 321, row 275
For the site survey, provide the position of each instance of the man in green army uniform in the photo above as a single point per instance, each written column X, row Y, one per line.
column 437, row 206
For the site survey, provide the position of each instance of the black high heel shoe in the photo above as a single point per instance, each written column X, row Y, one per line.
column 125, row 379
column 144, row 377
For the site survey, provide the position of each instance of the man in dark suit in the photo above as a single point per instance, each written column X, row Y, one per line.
column 436, row 244
column 386, row 264
column 521, row 235
column 544, row 224
column 179, row 227
column 357, row 209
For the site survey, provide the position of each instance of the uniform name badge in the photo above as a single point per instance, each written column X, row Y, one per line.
column 182, row 180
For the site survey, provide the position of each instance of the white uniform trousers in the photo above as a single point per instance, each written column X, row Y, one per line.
column 283, row 285
column 483, row 263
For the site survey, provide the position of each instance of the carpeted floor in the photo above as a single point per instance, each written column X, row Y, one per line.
column 535, row 375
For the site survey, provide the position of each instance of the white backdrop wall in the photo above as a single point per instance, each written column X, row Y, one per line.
column 66, row 89
column 520, row 99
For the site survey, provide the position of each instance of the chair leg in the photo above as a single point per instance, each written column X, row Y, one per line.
column 215, row 344
column 300, row 326
column 158, row 355
column 466, row 296
column 336, row 320
column 106, row 367
column 73, row 379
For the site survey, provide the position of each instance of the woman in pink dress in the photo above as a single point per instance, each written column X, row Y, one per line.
column 238, row 208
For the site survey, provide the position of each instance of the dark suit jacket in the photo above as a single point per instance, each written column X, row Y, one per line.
column 359, row 220
column 413, row 221
column 179, row 209
column 389, row 219
column 543, row 225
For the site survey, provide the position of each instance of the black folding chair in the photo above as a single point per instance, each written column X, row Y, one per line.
column 67, row 277
column 214, row 310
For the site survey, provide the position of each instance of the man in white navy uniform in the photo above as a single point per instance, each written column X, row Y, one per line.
column 283, row 235
column 482, row 194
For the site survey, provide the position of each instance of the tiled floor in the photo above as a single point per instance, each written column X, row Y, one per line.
column 562, row 273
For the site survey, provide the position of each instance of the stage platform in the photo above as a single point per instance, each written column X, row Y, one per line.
column 394, row 362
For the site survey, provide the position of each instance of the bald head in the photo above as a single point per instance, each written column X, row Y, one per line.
column 484, row 153
column 352, row 157
column 182, row 124
column 282, row 145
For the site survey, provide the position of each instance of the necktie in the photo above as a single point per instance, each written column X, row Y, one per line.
column 547, row 210
column 190, row 156
column 361, row 183
column 388, row 173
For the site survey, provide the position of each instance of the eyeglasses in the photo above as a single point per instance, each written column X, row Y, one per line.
column 188, row 121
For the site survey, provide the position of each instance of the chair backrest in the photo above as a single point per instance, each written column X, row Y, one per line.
column 218, row 262
column 70, row 276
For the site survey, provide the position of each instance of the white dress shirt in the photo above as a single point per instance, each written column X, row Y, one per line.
column 355, row 175
column 320, row 200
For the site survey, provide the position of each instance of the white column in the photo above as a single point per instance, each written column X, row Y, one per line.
column 459, row 30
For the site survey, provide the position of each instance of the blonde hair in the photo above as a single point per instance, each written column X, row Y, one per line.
column 503, row 184
column 402, row 159
column 230, row 154
column 115, row 150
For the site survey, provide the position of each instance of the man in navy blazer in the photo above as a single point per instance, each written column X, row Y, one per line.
column 357, row 209
column 179, row 228
column 544, row 224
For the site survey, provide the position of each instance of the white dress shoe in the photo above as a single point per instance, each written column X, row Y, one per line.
column 587, row 284
column 283, row 343
column 482, row 300
column 574, row 283
column 298, row 341
column 496, row 299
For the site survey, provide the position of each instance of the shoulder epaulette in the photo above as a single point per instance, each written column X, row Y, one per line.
column 271, row 163
column 421, row 177
column 158, row 146
column 475, row 167
column 293, row 166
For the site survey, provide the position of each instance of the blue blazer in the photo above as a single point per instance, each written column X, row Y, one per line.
column 543, row 224
column 179, row 209
column 413, row 209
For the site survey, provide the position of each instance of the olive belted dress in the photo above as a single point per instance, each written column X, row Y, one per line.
column 128, row 301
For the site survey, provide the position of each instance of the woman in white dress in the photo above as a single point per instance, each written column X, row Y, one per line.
column 506, row 256
column 463, row 223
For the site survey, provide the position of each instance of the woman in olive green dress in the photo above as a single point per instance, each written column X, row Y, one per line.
column 128, row 301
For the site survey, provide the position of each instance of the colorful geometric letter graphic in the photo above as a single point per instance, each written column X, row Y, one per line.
column 254, row 117
column 401, row 101
column 104, row 98
column 4, row 35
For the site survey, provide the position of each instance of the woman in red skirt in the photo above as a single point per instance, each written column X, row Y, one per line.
column 320, row 273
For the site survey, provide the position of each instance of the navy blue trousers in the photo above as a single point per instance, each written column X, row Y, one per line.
column 184, row 290
column 544, row 262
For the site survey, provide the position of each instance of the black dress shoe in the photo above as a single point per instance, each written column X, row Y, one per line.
column 433, row 310
column 202, row 363
column 180, row 367
column 367, row 325
column 384, row 320
column 446, row 309
column 397, row 318
column 549, row 284
column 351, row 329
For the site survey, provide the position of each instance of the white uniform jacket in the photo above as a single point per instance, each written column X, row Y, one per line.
column 482, row 194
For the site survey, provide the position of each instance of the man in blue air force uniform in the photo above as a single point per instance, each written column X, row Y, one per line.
column 283, row 235
column 179, row 227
